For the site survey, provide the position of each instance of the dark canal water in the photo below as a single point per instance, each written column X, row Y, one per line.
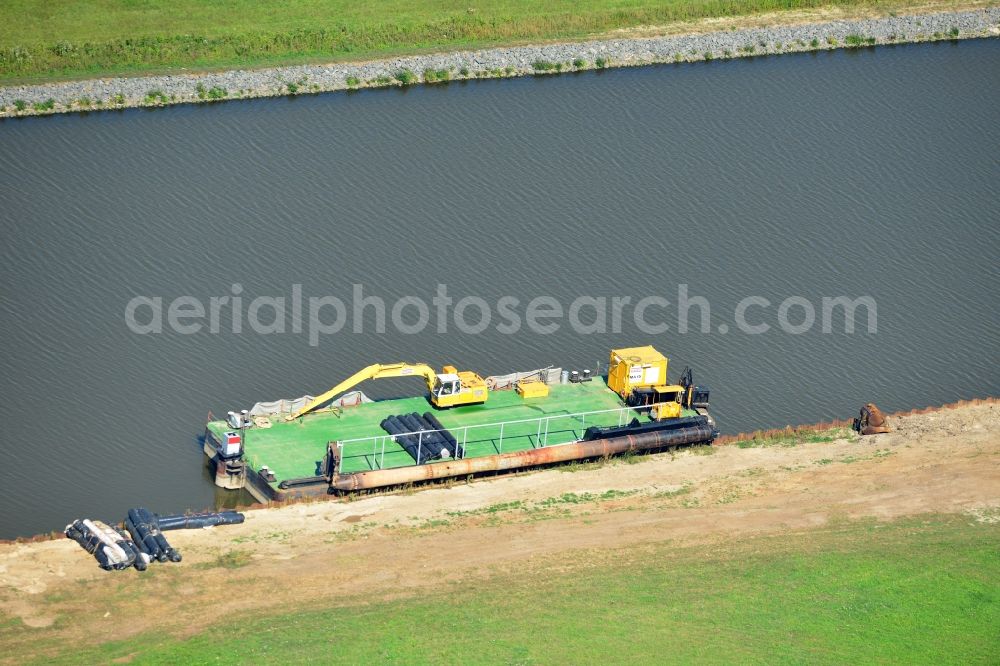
column 855, row 173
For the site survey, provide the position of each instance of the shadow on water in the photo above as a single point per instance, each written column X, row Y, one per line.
column 226, row 499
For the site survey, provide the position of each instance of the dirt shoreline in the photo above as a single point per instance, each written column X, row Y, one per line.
column 723, row 440
column 709, row 39
column 940, row 461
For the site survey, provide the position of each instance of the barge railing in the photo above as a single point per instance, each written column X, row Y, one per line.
column 372, row 448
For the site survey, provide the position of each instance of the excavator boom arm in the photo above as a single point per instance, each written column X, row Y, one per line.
column 374, row 371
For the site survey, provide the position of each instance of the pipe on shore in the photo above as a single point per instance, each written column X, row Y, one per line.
column 520, row 459
column 192, row 521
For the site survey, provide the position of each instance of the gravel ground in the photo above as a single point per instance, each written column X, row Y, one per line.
column 491, row 63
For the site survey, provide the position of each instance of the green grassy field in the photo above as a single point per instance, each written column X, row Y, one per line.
column 52, row 39
column 916, row 591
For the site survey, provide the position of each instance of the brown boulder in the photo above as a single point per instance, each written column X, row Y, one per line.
column 871, row 421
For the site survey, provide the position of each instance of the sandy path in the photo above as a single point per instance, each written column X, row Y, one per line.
column 946, row 461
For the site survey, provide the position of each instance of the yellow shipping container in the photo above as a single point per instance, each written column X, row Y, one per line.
column 636, row 367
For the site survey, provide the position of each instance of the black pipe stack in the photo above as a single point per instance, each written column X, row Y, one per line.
column 426, row 435
column 410, row 443
column 139, row 562
column 145, row 531
column 423, row 438
column 109, row 548
column 457, row 451
column 141, row 540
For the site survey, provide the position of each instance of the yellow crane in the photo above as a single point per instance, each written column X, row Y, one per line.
column 448, row 388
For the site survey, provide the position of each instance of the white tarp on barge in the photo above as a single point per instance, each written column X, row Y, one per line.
column 288, row 406
column 504, row 382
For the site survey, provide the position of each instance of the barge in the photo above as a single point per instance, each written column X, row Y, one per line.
column 341, row 441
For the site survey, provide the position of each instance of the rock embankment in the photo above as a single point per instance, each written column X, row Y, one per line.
column 492, row 63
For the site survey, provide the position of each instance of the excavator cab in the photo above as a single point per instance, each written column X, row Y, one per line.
column 452, row 388
column 446, row 384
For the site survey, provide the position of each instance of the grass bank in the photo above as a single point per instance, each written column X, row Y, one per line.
column 918, row 590
column 43, row 41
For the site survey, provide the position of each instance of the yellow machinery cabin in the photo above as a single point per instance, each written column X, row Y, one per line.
column 457, row 387
column 666, row 402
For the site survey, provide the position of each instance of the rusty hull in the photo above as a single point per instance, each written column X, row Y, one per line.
column 520, row 459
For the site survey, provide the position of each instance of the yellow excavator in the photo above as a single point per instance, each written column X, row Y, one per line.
column 448, row 388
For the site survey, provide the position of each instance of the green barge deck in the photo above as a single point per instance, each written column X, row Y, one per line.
column 505, row 423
